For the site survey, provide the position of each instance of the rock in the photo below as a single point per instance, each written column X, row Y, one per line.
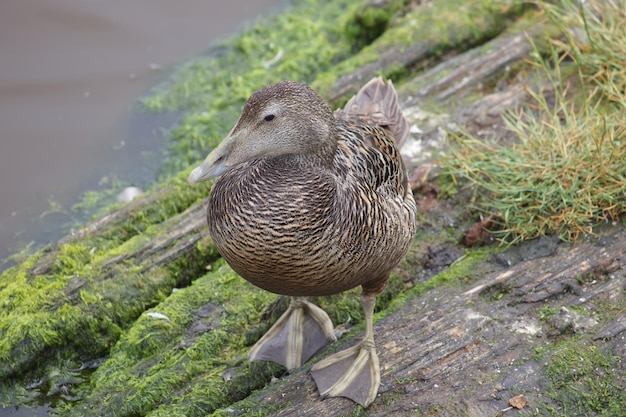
column 129, row 194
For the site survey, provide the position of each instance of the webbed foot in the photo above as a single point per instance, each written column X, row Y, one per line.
column 353, row 373
column 296, row 336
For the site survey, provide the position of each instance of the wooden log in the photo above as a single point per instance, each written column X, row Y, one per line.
column 181, row 238
column 426, row 32
column 167, row 250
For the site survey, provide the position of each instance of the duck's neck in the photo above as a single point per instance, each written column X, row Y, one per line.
column 323, row 157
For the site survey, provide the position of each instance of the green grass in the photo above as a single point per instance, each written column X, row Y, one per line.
column 567, row 170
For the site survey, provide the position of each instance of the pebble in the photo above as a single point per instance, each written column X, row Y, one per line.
column 129, row 194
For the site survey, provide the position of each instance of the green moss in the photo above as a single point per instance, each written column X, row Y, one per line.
column 78, row 308
column 547, row 311
column 88, row 295
column 197, row 334
column 583, row 380
column 532, row 24
column 318, row 49
column 368, row 23
column 93, row 318
column 71, row 257
column 438, row 27
column 162, row 355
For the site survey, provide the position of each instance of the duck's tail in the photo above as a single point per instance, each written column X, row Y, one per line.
column 378, row 100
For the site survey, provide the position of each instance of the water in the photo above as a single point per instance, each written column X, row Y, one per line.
column 19, row 411
column 70, row 71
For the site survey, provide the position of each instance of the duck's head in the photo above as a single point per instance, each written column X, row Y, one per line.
column 286, row 118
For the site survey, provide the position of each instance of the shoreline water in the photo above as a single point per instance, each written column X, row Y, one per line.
column 69, row 87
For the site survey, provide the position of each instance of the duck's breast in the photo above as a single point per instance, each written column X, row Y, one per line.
column 274, row 230
column 301, row 233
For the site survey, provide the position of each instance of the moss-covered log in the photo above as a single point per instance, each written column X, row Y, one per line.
column 136, row 315
column 418, row 39
column 78, row 297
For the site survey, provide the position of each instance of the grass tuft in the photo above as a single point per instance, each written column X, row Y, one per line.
column 567, row 170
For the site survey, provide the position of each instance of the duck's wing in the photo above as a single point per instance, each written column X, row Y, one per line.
column 371, row 128
column 378, row 101
column 371, row 158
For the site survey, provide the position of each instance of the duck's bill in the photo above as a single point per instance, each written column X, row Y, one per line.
column 215, row 163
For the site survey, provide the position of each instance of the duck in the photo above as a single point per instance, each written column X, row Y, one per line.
column 309, row 202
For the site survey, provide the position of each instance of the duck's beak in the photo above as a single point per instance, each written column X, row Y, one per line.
column 215, row 164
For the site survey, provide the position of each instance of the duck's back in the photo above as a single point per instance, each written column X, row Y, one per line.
column 295, row 228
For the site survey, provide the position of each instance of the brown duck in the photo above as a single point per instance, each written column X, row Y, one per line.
column 311, row 203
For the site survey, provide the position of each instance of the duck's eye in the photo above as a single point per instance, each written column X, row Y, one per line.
column 269, row 117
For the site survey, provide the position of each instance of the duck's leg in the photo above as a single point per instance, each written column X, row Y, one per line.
column 296, row 336
column 354, row 372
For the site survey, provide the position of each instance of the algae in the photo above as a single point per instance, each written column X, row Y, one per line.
column 297, row 44
column 189, row 357
column 70, row 298
column 368, row 23
column 183, row 346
